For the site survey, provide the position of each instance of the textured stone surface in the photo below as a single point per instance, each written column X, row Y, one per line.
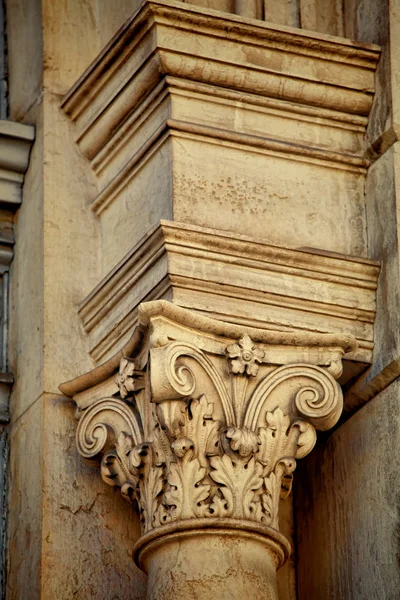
column 24, row 523
column 41, row 463
column 4, row 447
column 234, row 568
column 256, row 130
column 347, row 508
column 44, row 296
column 26, row 284
column 347, row 503
column 208, row 270
column 382, row 193
column 79, row 513
column 25, row 61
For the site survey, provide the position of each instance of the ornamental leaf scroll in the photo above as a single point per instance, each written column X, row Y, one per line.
column 179, row 453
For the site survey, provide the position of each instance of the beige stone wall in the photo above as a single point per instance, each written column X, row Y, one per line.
column 68, row 535
column 347, row 507
column 347, row 500
column 346, row 18
column 64, row 537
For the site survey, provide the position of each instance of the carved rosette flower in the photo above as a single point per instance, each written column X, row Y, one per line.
column 245, row 356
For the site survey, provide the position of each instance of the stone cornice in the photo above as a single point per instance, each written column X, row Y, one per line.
column 176, row 17
column 161, row 311
column 290, row 290
column 126, row 105
column 16, row 141
column 206, row 421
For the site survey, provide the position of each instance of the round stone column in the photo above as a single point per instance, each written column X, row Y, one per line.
column 207, row 558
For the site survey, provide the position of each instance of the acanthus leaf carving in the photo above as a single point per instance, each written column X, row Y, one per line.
column 187, row 491
column 238, row 482
column 200, row 426
column 200, row 434
column 281, row 437
column 274, row 490
column 150, row 488
column 241, row 441
column 161, row 443
column 115, row 471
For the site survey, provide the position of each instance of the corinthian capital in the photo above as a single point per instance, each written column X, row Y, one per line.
column 205, row 421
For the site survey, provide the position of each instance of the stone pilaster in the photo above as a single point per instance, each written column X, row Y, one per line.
column 201, row 429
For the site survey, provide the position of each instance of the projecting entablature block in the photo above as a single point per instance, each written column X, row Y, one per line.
column 205, row 118
column 236, row 279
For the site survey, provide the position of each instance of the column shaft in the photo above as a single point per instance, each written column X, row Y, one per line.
column 204, row 564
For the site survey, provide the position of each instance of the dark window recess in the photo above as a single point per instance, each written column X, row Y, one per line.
column 3, row 508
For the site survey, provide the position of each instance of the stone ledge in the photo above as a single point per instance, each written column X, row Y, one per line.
column 165, row 26
column 15, row 145
column 169, row 48
column 233, row 278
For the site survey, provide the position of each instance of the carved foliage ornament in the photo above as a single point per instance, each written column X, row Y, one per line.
column 193, row 434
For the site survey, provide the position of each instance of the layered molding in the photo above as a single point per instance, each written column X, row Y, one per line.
column 16, row 141
column 235, row 279
column 178, row 70
column 204, row 421
column 15, row 145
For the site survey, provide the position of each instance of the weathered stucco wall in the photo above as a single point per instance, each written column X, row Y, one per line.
column 347, row 508
column 62, row 535
column 68, row 533
column 347, row 498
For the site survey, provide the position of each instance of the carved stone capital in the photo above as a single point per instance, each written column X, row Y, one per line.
column 202, row 427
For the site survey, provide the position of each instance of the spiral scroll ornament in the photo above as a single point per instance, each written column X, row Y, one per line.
column 180, row 376
column 319, row 399
column 322, row 402
column 101, row 426
column 172, row 378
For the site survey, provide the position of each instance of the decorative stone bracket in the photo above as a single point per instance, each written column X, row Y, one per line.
column 201, row 429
